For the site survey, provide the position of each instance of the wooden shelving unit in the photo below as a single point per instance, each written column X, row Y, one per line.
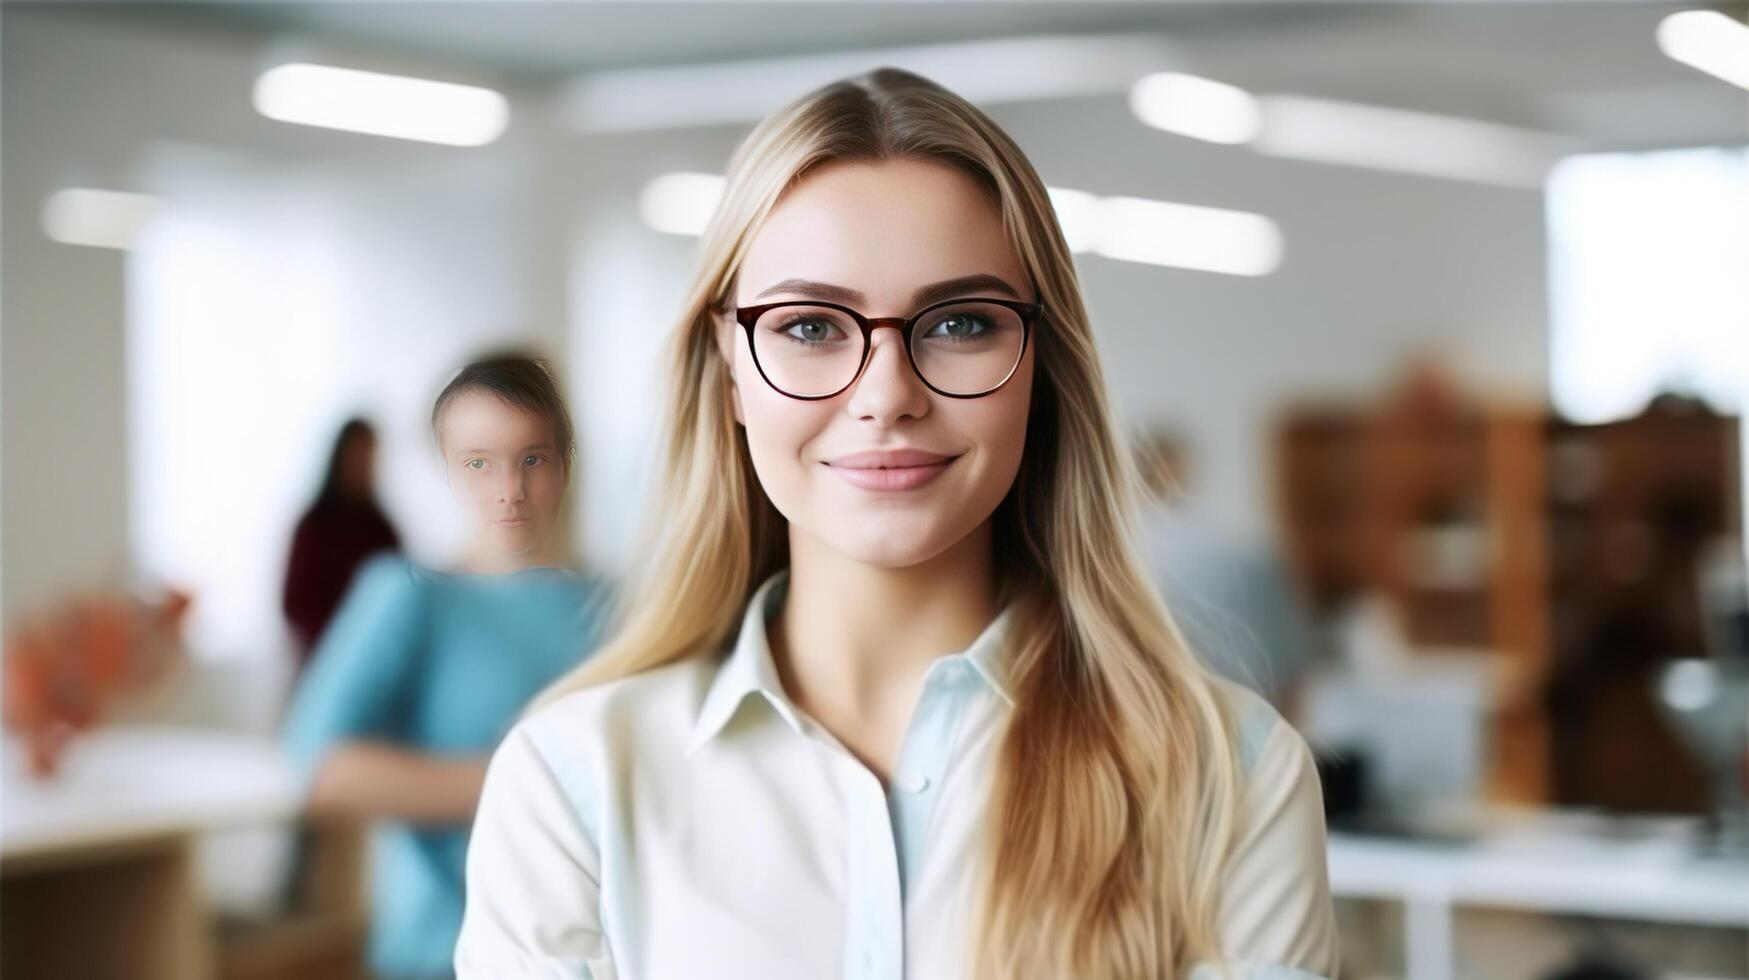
column 1494, row 527
column 1631, row 505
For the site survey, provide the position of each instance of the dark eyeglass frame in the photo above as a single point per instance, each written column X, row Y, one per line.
column 1030, row 315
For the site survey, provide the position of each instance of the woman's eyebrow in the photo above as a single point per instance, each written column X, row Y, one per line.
column 946, row 289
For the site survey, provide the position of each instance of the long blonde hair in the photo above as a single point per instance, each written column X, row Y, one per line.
column 1112, row 807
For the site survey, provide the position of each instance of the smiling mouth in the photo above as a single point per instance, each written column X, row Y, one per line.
column 890, row 478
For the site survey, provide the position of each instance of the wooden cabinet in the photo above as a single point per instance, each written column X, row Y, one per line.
column 1566, row 550
column 1631, row 506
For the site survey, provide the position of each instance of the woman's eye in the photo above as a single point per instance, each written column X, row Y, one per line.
column 475, row 464
column 531, row 460
column 809, row 330
column 958, row 327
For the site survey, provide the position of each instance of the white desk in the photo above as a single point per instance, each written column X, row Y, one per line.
column 1573, row 863
column 96, row 863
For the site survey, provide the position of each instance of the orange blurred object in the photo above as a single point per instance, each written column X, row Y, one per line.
column 67, row 667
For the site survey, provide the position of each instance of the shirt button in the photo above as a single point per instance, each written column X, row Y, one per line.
column 914, row 782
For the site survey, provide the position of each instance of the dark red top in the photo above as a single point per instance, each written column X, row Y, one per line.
column 331, row 541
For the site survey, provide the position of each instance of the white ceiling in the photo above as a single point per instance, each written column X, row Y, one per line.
column 1586, row 69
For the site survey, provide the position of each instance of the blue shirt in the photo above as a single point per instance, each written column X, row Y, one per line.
column 443, row 663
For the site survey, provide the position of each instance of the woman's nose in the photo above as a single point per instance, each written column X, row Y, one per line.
column 888, row 389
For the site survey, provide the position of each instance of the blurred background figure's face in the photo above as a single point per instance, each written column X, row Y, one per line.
column 358, row 467
column 884, row 230
column 505, row 471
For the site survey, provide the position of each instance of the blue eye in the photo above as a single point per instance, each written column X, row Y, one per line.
column 537, row 460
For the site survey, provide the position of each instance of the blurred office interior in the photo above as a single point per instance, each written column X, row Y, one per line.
column 1431, row 318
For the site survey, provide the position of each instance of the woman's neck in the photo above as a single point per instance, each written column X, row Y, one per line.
column 853, row 640
column 481, row 560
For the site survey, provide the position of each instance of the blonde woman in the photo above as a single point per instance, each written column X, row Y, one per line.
column 894, row 697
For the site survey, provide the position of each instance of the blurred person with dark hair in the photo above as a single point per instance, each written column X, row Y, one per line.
column 1235, row 601
column 343, row 526
column 423, row 670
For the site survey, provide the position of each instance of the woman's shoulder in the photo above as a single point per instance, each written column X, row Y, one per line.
column 646, row 714
column 389, row 576
column 1266, row 739
column 594, row 593
column 1276, row 920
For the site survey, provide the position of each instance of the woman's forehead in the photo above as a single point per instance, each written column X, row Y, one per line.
column 883, row 230
column 484, row 420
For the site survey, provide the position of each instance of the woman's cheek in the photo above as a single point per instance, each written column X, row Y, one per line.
column 478, row 491
column 775, row 443
column 552, row 483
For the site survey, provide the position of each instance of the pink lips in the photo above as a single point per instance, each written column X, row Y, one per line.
column 894, row 469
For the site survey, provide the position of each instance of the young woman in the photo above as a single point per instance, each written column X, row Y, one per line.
column 894, row 697
column 422, row 671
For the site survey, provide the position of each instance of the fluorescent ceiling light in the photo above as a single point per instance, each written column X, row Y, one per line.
column 680, row 203
column 100, row 219
column 1710, row 41
column 382, row 105
column 1353, row 134
column 1347, row 133
column 1196, row 107
column 1187, row 236
column 736, row 92
column 1078, row 214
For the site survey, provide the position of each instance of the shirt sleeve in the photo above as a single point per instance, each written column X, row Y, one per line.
column 533, row 876
column 363, row 671
column 1277, row 921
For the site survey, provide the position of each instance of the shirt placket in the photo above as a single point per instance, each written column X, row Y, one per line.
column 887, row 827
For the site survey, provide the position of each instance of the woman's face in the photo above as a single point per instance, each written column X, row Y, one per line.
column 883, row 230
column 504, row 469
column 358, row 466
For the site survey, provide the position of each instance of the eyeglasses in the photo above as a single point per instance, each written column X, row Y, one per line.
column 961, row 348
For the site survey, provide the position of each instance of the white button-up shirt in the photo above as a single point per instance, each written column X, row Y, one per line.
column 691, row 821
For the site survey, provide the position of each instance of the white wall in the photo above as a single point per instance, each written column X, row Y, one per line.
column 264, row 309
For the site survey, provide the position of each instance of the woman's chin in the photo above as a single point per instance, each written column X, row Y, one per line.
column 515, row 540
column 885, row 547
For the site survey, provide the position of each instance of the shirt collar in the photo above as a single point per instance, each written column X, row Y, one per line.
column 749, row 668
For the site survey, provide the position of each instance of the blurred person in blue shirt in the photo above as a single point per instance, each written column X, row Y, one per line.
column 422, row 670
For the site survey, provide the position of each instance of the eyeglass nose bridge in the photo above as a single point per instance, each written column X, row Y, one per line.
column 873, row 323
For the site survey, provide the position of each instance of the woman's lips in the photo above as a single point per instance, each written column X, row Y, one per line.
column 891, row 477
column 512, row 522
